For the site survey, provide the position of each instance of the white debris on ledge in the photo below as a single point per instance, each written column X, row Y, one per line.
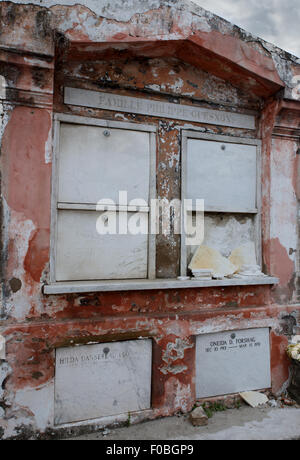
column 244, row 255
column 211, row 259
column 208, row 262
column 254, row 398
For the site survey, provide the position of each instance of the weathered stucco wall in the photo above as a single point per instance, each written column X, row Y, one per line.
column 162, row 50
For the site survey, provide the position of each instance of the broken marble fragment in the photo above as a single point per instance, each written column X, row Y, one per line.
column 250, row 270
column 211, row 259
column 254, row 398
column 244, row 255
column 293, row 351
column 202, row 274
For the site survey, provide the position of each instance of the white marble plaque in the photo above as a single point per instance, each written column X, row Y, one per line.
column 95, row 167
column 232, row 362
column 108, row 101
column 222, row 174
column 83, row 254
column 94, row 381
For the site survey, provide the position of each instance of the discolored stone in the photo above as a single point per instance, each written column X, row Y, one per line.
column 15, row 284
column 198, row 417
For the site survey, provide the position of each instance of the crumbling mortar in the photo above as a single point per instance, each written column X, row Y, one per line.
column 288, row 323
column 178, row 348
column 173, row 369
column 137, row 18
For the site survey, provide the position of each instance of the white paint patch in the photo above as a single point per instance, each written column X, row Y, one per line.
column 178, row 84
column 200, row 23
column 20, row 232
column 37, row 62
column 153, row 87
column 232, row 323
column 48, row 147
column 122, row 116
column 106, row 29
column 2, row 87
column 154, row 72
column 40, row 402
column 121, row 10
column 182, row 397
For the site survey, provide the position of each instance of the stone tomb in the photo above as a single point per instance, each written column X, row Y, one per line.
column 232, row 362
column 94, row 381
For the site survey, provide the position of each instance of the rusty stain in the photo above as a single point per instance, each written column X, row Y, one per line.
column 283, row 266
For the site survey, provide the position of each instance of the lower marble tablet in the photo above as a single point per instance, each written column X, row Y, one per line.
column 94, row 381
column 232, row 362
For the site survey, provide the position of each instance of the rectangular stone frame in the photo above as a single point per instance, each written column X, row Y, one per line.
column 194, row 134
column 55, row 206
column 71, row 287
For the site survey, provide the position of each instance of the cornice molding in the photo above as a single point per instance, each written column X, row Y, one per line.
column 29, row 98
column 287, row 124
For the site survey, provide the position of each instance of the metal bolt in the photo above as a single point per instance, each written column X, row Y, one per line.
column 106, row 133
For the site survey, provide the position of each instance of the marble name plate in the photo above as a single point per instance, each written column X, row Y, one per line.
column 232, row 362
column 108, row 101
column 94, row 381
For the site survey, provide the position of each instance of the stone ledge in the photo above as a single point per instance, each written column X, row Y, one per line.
column 80, row 287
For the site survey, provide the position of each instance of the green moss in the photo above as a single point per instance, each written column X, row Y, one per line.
column 211, row 408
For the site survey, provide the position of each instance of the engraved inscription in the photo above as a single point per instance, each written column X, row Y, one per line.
column 232, row 344
column 108, row 101
column 93, row 381
column 231, row 362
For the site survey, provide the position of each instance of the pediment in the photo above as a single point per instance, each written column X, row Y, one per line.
column 168, row 77
column 172, row 30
